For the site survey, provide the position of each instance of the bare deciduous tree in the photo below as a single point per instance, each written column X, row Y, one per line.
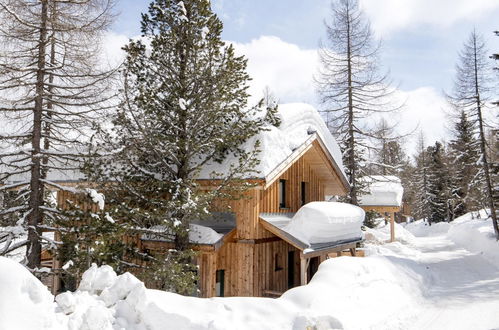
column 470, row 94
column 350, row 84
column 52, row 85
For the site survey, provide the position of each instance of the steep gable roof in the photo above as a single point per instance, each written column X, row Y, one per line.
column 301, row 127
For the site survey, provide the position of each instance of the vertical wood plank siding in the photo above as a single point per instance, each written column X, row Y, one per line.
column 250, row 261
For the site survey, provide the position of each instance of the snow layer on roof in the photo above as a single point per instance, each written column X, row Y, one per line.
column 197, row 234
column 322, row 222
column 298, row 122
column 383, row 190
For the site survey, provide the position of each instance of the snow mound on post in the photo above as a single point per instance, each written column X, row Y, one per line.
column 25, row 303
column 298, row 122
column 382, row 190
column 323, row 222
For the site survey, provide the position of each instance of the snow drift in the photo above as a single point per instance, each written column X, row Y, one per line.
column 25, row 303
column 427, row 283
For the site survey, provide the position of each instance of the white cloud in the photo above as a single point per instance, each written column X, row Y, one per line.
column 288, row 71
column 111, row 48
column 388, row 16
column 425, row 109
column 285, row 68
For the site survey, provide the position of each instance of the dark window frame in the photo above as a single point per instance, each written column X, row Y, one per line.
column 220, row 278
column 282, row 194
column 303, row 193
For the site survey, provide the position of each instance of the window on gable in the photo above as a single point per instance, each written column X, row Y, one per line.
column 282, row 194
column 303, row 191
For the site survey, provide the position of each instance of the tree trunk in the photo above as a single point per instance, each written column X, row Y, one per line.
column 351, row 138
column 33, row 252
column 483, row 150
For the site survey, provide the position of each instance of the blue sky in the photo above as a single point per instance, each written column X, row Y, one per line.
column 420, row 38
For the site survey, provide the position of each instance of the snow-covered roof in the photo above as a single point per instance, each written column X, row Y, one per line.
column 319, row 225
column 197, row 235
column 382, row 191
column 300, row 123
column 205, row 232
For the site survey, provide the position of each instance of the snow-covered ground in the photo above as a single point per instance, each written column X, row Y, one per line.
column 446, row 277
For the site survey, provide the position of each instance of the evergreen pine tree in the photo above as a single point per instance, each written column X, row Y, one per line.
column 437, row 184
column 185, row 106
column 464, row 150
column 421, row 205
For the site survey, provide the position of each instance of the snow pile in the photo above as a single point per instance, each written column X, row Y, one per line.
column 472, row 231
column 431, row 284
column 107, row 301
column 298, row 122
column 476, row 235
column 422, row 228
column 382, row 191
column 25, row 303
column 323, row 222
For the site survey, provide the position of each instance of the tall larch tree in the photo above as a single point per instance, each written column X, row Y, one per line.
column 52, row 85
column 350, row 84
column 470, row 94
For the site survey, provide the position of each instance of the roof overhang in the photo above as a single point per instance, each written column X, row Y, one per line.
column 381, row 208
column 273, row 222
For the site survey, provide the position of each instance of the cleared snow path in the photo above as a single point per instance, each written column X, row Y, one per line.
column 461, row 288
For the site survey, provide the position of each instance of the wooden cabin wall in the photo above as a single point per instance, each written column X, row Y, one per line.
column 272, row 274
column 299, row 172
column 67, row 199
column 250, row 268
column 237, row 260
column 207, row 276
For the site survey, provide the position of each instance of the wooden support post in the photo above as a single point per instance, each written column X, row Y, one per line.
column 303, row 270
column 392, row 227
column 353, row 252
column 56, row 281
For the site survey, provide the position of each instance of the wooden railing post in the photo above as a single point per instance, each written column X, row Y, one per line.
column 392, row 227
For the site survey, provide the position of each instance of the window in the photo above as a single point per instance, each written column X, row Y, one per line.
column 220, row 283
column 304, row 193
column 282, row 194
column 291, row 269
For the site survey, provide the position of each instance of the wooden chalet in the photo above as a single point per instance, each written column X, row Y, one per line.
column 254, row 256
column 246, row 252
